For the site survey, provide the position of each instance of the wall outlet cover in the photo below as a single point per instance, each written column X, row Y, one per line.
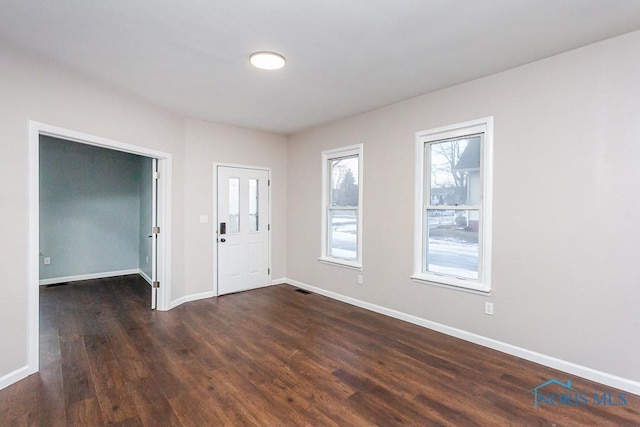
column 488, row 308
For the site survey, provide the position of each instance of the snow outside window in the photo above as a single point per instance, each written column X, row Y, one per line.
column 453, row 210
column 342, row 210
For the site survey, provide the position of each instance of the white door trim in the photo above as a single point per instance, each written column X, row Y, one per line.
column 155, row 186
column 164, row 220
column 217, row 222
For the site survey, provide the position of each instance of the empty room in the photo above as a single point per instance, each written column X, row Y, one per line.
column 406, row 213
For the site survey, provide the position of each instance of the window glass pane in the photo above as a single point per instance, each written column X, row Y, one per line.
column 343, row 234
column 454, row 171
column 233, row 224
column 344, row 181
column 452, row 242
column 253, row 205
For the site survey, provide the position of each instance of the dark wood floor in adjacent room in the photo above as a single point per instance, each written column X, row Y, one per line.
column 269, row 357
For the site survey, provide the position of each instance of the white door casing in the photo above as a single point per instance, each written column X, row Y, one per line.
column 163, row 218
column 154, row 234
column 242, row 228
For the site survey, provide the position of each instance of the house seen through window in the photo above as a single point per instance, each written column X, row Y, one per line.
column 454, row 213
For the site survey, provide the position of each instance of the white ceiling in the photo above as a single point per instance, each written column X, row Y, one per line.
column 343, row 56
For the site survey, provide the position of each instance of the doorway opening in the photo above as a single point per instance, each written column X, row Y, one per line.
column 158, row 165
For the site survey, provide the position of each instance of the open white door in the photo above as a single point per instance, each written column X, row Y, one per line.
column 155, row 230
column 243, row 229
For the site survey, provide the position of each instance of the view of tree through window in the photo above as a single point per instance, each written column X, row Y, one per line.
column 344, row 184
column 452, row 207
column 343, row 209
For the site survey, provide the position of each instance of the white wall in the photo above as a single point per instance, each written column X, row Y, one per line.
column 207, row 143
column 89, row 209
column 565, row 282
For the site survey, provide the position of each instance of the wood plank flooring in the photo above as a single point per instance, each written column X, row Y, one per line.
column 270, row 357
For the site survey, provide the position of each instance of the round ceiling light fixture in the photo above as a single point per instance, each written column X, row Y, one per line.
column 267, row 60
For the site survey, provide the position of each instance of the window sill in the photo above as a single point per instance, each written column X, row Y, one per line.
column 450, row 283
column 341, row 263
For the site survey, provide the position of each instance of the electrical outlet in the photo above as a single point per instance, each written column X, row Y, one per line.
column 204, row 219
column 147, row 260
column 47, row 260
column 488, row 308
column 360, row 280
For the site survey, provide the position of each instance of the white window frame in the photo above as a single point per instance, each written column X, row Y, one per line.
column 483, row 283
column 327, row 157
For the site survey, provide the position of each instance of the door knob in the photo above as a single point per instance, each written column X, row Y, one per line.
column 223, row 240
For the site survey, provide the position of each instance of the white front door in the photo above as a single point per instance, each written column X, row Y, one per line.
column 243, row 229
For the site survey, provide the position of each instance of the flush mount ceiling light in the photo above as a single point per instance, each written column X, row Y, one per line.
column 267, row 60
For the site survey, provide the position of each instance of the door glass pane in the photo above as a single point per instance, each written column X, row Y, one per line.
column 343, row 234
column 233, row 224
column 344, row 181
column 253, row 205
column 454, row 169
column 452, row 242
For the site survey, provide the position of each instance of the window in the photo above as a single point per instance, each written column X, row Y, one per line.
column 254, row 224
column 342, row 206
column 453, row 205
column 234, row 206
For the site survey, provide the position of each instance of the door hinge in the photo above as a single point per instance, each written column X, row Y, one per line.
column 155, row 230
column 268, row 271
column 155, row 285
column 156, row 175
column 269, row 183
column 269, row 227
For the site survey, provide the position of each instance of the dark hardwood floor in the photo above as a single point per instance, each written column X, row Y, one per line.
column 270, row 357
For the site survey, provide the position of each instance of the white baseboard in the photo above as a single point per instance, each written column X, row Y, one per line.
column 79, row 277
column 610, row 380
column 201, row 295
column 209, row 294
column 177, row 302
column 15, row 376
column 145, row 277
column 192, row 297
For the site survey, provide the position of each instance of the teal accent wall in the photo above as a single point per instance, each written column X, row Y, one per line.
column 90, row 209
